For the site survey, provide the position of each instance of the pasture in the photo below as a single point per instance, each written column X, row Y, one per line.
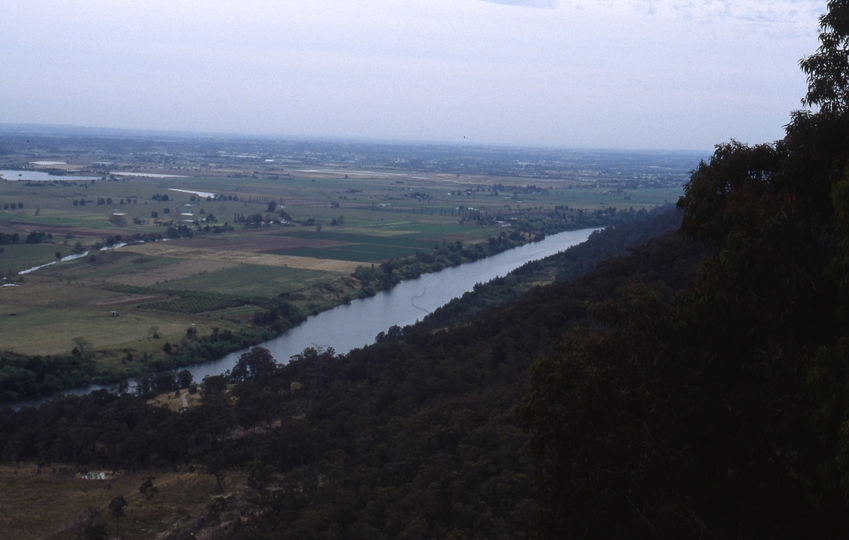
column 44, row 316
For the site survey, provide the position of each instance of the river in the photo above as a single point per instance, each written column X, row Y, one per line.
column 356, row 324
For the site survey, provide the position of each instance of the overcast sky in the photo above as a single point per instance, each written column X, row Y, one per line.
column 619, row 74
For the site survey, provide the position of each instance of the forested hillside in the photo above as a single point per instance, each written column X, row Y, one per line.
column 722, row 413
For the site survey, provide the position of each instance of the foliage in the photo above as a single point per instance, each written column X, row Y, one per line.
column 828, row 68
column 6, row 238
column 255, row 363
column 30, row 376
column 721, row 412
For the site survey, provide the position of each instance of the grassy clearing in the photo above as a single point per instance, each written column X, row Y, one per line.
column 174, row 400
column 53, row 504
column 251, row 279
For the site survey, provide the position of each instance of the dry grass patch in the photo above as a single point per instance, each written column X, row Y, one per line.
column 52, row 504
column 177, row 400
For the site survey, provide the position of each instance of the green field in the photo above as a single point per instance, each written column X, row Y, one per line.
column 252, row 280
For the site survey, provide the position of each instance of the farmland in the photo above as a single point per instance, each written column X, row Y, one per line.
column 218, row 230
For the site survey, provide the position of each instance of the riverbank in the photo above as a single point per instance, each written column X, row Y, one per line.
column 25, row 377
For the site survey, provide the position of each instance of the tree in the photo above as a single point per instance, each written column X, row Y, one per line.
column 164, row 381
column 260, row 476
column 82, row 344
column 116, row 507
column 147, row 488
column 213, row 388
column 828, row 68
column 184, row 378
column 257, row 362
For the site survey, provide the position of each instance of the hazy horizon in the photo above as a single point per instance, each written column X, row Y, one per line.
column 49, row 130
column 619, row 75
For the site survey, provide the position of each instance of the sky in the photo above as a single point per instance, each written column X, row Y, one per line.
column 629, row 74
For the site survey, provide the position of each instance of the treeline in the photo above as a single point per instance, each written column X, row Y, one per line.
column 24, row 377
column 34, row 237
